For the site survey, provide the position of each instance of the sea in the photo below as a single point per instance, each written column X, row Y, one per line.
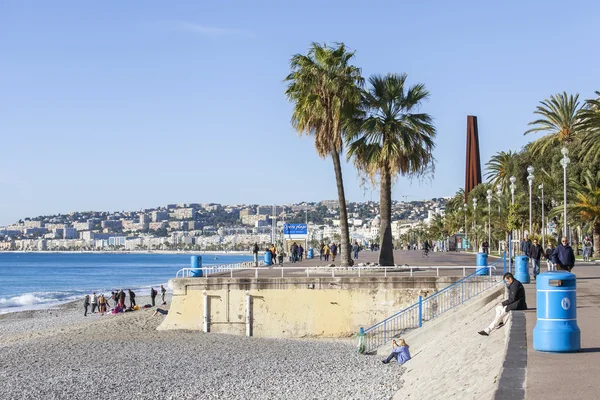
column 30, row 281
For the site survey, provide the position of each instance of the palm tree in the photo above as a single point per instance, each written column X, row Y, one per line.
column 560, row 117
column 391, row 139
column 500, row 168
column 325, row 90
column 585, row 202
column 591, row 123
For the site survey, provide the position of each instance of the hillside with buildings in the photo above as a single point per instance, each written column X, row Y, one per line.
column 207, row 226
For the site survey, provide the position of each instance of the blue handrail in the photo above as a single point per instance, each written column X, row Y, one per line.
column 428, row 308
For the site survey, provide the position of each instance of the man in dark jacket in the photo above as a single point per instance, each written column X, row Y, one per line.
column 526, row 245
column 563, row 257
column 535, row 253
column 515, row 301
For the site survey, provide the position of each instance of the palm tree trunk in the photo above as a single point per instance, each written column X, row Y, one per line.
column 345, row 259
column 386, row 252
column 596, row 237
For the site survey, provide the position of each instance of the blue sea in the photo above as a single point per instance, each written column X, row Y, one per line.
column 40, row 280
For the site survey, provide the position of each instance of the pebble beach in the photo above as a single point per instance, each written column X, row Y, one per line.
column 60, row 354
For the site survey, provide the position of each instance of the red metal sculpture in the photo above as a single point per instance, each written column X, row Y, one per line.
column 473, row 167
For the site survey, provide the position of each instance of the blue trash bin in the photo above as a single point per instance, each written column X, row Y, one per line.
column 310, row 254
column 196, row 262
column 268, row 258
column 556, row 329
column 522, row 269
column 482, row 262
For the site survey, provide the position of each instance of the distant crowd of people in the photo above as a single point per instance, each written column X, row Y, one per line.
column 100, row 303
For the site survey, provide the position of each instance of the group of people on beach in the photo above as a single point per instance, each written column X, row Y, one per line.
column 101, row 303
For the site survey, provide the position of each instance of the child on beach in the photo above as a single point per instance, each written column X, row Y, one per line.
column 163, row 293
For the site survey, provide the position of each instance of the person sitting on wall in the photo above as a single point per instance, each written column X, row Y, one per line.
column 400, row 352
column 515, row 301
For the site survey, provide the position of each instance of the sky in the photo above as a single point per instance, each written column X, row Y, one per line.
column 118, row 105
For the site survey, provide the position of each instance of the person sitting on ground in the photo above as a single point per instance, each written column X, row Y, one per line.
column 563, row 257
column 399, row 352
column 515, row 301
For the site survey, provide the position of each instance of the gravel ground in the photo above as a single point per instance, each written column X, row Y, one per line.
column 59, row 354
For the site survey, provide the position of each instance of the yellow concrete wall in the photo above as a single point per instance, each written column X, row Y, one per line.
column 294, row 312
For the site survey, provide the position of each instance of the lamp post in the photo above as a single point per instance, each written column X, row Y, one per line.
column 510, row 246
column 499, row 193
column 530, row 177
column 465, row 208
column 564, row 162
column 512, row 189
column 489, row 199
column 541, row 187
column 474, row 215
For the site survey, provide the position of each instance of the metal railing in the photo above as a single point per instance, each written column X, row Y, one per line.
column 432, row 306
column 213, row 269
column 317, row 271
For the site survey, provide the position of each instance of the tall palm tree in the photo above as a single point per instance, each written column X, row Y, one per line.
column 560, row 118
column 585, row 204
column 500, row 168
column 391, row 138
column 591, row 123
column 325, row 89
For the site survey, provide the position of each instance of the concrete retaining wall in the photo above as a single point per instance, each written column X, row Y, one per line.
column 294, row 307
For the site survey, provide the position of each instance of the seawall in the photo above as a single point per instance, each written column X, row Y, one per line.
column 293, row 307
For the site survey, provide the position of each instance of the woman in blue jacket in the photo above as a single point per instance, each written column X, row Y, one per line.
column 399, row 352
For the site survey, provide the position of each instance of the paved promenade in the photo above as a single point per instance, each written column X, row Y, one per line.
column 568, row 375
column 403, row 258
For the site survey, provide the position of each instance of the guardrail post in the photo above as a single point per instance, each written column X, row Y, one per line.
column 438, row 271
column 256, row 273
column 420, row 311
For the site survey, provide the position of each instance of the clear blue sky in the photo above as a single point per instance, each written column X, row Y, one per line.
column 118, row 105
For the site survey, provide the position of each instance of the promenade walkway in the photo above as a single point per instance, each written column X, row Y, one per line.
column 568, row 375
column 401, row 257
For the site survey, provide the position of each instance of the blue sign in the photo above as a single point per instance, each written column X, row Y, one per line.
column 295, row 229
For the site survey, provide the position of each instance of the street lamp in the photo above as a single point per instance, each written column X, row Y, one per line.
column 512, row 189
column 564, row 162
column 510, row 245
column 465, row 208
column 541, row 187
column 489, row 199
column 499, row 193
column 530, row 177
column 475, row 217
